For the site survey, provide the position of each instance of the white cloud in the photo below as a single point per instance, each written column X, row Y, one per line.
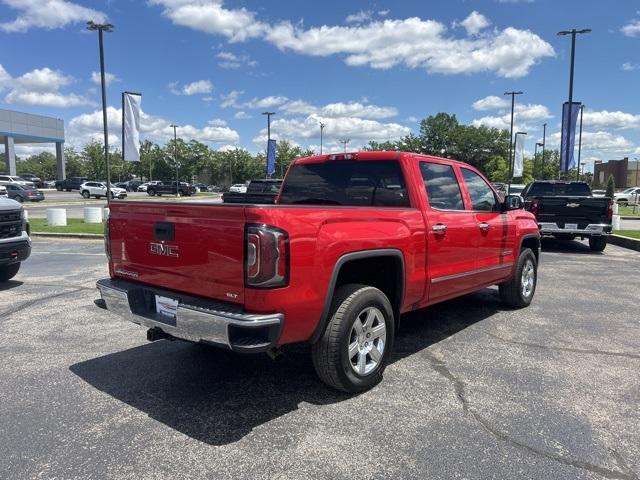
column 491, row 102
column 41, row 87
column 631, row 29
column 44, row 80
column 525, row 117
column 599, row 141
column 217, row 122
column 199, row 87
column 211, row 17
column 109, row 78
column 47, row 99
column 48, row 14
column 88, row 126
column 232, row 61
column 411, row 42
column 241, row 115
column 357, row 129
column 232, row 100
column 606, row 119
column 628, row 66
column 383, row 13
column 475, row 23
column 360, row 17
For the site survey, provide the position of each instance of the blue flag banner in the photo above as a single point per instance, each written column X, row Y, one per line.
column 569, row 133
column 271, row 157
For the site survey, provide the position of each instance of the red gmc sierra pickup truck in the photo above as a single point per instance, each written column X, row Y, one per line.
column 353, row 241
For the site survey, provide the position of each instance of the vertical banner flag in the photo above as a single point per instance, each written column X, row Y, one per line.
column 570, row 133
column 518, row 156
column 131, row 126
column 271, row 157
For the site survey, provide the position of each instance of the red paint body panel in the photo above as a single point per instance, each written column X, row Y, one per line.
column 211, row 243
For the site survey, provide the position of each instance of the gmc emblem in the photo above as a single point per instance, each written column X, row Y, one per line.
column 163, row 249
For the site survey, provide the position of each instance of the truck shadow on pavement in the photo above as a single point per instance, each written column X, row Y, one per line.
column 550, row 244
column 218, row 397
column 9, row 285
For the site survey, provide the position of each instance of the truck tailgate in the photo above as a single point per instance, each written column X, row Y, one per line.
column 579, row 210
column 192, row 248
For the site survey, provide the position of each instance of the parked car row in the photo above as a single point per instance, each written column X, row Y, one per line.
column 20, row 192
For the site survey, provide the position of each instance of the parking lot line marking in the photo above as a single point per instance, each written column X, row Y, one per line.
column 70, row 253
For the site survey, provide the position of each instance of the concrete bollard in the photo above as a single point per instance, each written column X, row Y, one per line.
column 92, row 214
column 615, row 208
column 26, row 214
column 56, row 217
column 616, row 222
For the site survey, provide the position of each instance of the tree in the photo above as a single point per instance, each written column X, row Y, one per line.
column 611, row 187
column 42, row 165
column 497, row 169
column 437, row 134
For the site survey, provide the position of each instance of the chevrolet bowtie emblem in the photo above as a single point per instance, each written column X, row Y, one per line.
column 573, row 205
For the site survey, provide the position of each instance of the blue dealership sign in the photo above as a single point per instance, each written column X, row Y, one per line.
column 271, row 157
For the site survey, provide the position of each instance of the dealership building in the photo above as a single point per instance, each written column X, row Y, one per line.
column 625, row 172
column 18, row 128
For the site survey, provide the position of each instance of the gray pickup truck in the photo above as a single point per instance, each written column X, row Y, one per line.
column 15, row 244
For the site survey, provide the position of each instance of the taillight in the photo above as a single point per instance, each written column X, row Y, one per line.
column 535, row 206
column 266, row 257
column 610, row 210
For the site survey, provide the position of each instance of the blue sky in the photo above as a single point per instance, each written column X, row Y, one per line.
column 368, row 70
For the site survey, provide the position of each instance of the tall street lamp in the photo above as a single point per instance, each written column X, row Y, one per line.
column 175, row 157
column 344, row 142
column 322, row 125
column 544, row 144
column 513, row 104
column 573, row 34
column 268, row 114
column 103, row 27
column 535, row 154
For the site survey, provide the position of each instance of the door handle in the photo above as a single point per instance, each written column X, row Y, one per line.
column 484, row 226
column 439, row 229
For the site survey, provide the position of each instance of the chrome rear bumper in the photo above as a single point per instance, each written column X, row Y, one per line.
column 591, row 230
column 197, row 320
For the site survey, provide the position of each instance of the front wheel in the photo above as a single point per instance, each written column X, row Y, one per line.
column 354, row 349
column 7, row 272
column 151, row 192
column 18, row 199
column 598, row 244
column 86, row 194
column 59, row 188
column 518, row 291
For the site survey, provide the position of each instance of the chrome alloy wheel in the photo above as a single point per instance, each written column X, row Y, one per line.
column 367, row 341
column 528, row 281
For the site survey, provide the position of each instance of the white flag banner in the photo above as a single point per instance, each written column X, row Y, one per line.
column 131, row 126
column 518, row 160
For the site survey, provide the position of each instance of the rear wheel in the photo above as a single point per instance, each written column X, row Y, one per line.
column 18, row 199
column 7, row 272
column 518, row 291
column 151, row 192
column 59, row 188
column 86, row 194
column 354, row 349
column 598, row 244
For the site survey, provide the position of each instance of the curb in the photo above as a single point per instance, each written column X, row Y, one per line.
column 85, row 236
column 629, row 218
column 624, row 242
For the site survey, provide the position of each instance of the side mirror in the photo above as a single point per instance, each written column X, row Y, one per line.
column 512, row 202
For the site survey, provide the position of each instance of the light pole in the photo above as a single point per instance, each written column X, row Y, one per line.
column 513, row 104
column 344, row 142
column 580, row 139
column 573, row 34
column 535, row 155
column 175, row 157
column 103, row 27
column 322, row 125
column 268, row 114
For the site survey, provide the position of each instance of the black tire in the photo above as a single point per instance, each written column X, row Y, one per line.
column 151, row 192
column 7, row 272
column 330, row 354
column 512, row 291
column 67, row 189
column 598, row 244
column 86, row 194
column 59, row 188
column 18, row 199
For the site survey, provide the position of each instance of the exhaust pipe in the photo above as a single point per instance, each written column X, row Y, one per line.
column 275, row 354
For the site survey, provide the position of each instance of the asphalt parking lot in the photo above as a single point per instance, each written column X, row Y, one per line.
column 475, row 390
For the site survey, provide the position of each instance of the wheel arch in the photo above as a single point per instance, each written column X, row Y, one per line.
column 342, row 273
column 531, row 241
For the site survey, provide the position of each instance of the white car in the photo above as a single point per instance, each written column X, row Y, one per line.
column 630, row 195
column 144, row 186
column 238, row 188
column 17, row 180
column 99, row 189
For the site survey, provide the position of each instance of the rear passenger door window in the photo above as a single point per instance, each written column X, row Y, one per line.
column 441, row 184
